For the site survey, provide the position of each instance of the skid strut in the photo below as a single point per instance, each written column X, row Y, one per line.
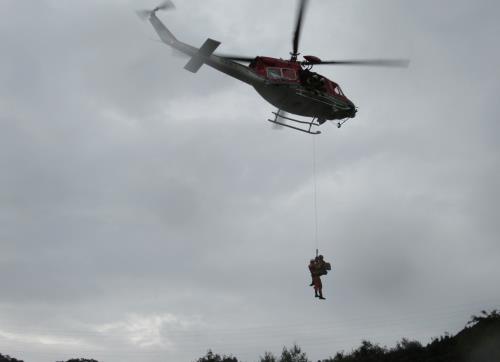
column 339, row 124
column 313, row 123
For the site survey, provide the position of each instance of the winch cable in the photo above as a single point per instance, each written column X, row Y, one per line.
column 316, row 239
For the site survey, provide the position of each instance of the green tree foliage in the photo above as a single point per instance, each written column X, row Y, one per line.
column 7, row 358
column 480, row 342
column 293, row 354
column 368, row 352
column 268, row 357
column 485, row 316
column 213, row 357
column 407, row 350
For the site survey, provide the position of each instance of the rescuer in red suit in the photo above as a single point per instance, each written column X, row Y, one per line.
column 315, row 267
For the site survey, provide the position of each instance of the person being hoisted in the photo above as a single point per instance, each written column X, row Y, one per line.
column 318, row 267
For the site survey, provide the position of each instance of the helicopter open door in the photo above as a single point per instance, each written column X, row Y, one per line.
column 276, row 70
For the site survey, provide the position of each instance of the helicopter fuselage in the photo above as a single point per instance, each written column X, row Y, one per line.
column 299, row 91
column 289, row 85
column 285, row 84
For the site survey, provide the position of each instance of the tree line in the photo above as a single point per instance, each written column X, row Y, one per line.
column 479, row 341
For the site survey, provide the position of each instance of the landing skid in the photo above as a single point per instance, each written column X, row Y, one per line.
column 339, row 124
column 313, row 123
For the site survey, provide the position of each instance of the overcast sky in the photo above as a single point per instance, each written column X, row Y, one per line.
column 149, row 214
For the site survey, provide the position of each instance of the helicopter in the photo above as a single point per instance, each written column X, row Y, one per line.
column 289, row 85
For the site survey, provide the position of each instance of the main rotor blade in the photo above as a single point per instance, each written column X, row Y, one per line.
column 397, row 63
column 237, row 58
column 298, row 27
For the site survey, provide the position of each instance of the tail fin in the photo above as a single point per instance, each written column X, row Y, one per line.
column 165, row 35
column 203, row 53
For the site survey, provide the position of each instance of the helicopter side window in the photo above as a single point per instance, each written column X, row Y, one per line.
column 289, row 74
column 273, row 73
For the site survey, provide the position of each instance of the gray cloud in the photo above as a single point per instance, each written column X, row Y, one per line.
column 149, row 213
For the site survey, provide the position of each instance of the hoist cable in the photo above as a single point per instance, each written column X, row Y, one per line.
column 315, row 196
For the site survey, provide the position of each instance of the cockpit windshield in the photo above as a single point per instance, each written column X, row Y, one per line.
column 338, row 91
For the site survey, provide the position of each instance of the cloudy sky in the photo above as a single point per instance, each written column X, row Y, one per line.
column 149, row 214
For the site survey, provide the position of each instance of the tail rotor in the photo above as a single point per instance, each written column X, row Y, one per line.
column 165, row 5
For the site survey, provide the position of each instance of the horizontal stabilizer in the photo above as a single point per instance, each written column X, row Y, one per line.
column 203, row 53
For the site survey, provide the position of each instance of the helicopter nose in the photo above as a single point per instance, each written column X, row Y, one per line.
column 352, row 109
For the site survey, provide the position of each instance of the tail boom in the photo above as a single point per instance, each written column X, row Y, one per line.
column 204, row 55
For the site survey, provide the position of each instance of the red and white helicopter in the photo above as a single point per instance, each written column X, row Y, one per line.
column 289, row 85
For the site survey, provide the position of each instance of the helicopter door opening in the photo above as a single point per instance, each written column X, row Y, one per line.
column 289, row 74
column 275, row 73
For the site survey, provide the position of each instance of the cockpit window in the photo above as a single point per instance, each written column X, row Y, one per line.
column 338, row 91
column 273, row 73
